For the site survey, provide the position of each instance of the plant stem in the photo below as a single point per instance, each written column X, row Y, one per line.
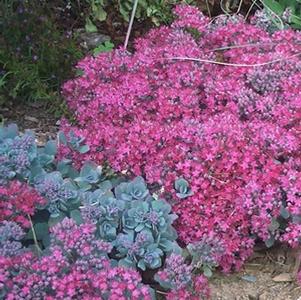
column 184, row 58
column 34, row 236
column 130, row 25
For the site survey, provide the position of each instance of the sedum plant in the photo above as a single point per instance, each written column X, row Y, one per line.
column 20, row 156
column 11, row 235
column 18, row 202
column 137, row 225
column 75, row 266
column 205, row 254
column 23, row 160
column 178, row 279
column 61, row 194
column 182, row 188
column 219, row 110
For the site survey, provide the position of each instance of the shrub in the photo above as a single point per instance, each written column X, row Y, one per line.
column 157, row 11
column 36, row 55
column 231, row 132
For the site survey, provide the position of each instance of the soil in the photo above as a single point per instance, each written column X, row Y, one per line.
column 31, row 116
column 267, row 275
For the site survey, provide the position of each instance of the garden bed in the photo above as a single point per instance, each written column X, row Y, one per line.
column 253, row 282
column 175, row 170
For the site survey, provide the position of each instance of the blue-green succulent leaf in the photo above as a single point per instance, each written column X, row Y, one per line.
column 50, row 148
column 62, row 138
column 76, row 216
column 141, row 265
column 84, row 149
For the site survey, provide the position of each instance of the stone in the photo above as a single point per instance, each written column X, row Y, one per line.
column 91, row 40
column 283, row 277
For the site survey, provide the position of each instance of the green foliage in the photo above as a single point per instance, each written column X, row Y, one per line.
column 105, row 47
column 158, row 11
column 36, row 56
column 284, row 12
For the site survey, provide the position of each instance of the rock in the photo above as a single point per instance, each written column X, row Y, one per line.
column 283, row 277
column 253, row 295
column 264, row 296
column 92, row 40
column 249, row 278
column 31, row 119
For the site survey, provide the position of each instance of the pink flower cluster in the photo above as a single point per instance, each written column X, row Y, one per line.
column 222, row 111
column 79, row 270
column 78, row 240
column 17, row 202
column 178, row 277
column 199, row 290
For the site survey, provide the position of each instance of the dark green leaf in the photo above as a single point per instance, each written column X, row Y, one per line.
column 90, row 27
column 41, row 230
column 53, row 221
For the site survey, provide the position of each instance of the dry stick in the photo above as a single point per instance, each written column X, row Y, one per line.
column 130, row 25
column 208, row 8
column 249, row 10
column 215, row 18
column 223, row 9
column 160, row 292
column 242, row 46
column 34, row 236
column 231, row 64
column 239, row 7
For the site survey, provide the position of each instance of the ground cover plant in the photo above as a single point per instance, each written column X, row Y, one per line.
column 182, row 155
column 216, row 104
column 84, row 233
